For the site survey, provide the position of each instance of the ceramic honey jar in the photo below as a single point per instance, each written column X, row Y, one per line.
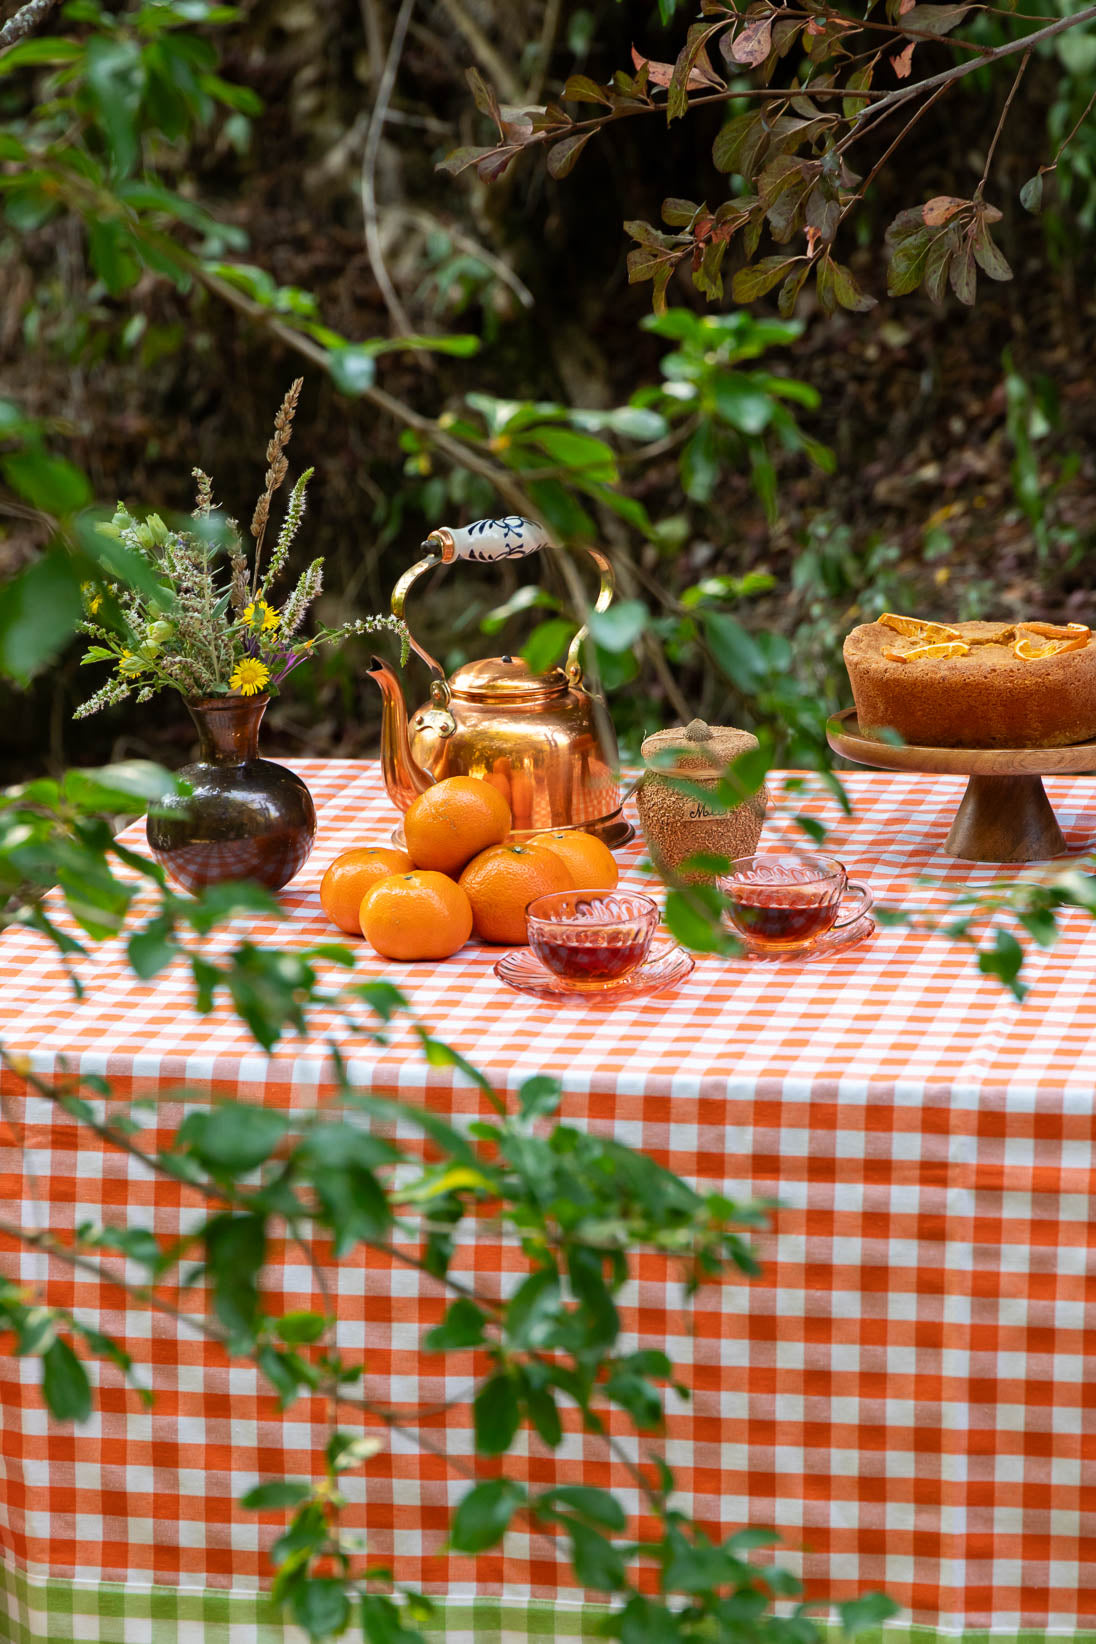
column 677, row 825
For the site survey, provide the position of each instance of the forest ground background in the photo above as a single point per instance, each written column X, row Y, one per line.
column 963, row 438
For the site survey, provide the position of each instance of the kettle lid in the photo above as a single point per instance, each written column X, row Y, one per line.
column 505, row 679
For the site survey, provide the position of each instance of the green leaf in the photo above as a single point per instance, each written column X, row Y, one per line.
column 31, row 53
column 65, row 1385
column 111, row 251
column 739, row 142
column 238, row 1136
column 483, row 1515
column 381, row 1622
column 618, row 628
column 126, row 786
column 1031, row 195
column 461, row 1327
column 736, row 652
column 694, row 920
column 301, row 1326
column 235, row 1251
column 547, row 644
column 700, row 462
column 353, row 369
column 497, row 1414
column 865, row 1613
column 588, row 457
column 533, row 1312
column 755, row 279
column 964, row 281
column 462, row 344
column 987, row 255
column 596, row 1561
column 50, row 483
column 581, row 89
column 151, row 950
column 848, row 292
column 742, row 402
column 598, row 1506
column 1005, row 961
column 539, row 1095
column 39, row 610
column 321, row 1607
column 279, row 1492
column 114, row 74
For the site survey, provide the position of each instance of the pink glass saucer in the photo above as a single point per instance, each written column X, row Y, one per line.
column 662, row 969
column 834, row 941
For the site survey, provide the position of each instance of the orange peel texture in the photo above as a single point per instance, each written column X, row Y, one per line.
column 922, row 653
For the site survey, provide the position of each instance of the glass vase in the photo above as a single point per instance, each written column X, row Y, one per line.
column 245, row 818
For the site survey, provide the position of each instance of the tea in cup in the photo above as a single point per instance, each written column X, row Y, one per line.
column 783, row 904
column 591, row 938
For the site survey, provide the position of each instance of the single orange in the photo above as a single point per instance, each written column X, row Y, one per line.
column 350, row 876
column 416, row 915
column 592, row 864
column 501, row 883
column 453, row 821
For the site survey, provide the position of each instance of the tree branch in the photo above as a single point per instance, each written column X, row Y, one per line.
column 396, row 311
column 1024, row 61
column 25, row 20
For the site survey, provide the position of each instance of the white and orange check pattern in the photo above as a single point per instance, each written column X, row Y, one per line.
column 908, row 1393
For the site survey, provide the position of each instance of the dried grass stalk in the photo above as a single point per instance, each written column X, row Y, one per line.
column 277, row 468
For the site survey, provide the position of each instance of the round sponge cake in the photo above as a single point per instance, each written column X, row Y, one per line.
column 989, row 698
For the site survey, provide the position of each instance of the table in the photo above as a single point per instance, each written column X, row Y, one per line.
column 907, row 1393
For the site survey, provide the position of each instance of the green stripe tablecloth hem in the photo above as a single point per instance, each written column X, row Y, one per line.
column 55, row 1611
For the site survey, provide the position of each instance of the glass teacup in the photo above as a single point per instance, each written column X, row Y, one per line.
column 783, row 904
column 591, row 938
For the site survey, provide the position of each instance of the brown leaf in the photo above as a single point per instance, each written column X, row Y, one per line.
column 753, row 44
column 562, row 156
column 902, row 61
column 988, row 256
column 940, row 209
column 701, row 77
column 581, row 89
column 961, row 273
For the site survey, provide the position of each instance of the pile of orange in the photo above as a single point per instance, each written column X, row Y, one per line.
column 457, row 875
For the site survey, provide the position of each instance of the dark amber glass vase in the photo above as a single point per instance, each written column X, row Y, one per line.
column 245, row 818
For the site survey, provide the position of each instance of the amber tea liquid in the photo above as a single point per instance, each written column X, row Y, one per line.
column 782, row 916
column 588, row 956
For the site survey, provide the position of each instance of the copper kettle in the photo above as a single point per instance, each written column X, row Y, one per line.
column 543, row 740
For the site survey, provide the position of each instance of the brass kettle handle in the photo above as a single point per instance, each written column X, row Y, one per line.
column 486, row 542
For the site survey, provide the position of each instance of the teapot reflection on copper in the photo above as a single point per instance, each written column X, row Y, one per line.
column 543, row 740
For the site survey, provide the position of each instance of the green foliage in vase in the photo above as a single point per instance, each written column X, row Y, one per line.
column 190, row 627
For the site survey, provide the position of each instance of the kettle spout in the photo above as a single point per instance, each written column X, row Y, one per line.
column 403, row 779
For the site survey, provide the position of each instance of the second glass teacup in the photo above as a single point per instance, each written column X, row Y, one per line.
column 591, row 938
column 784, row 904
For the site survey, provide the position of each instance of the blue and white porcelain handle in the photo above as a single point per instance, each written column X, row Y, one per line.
column 487, row 542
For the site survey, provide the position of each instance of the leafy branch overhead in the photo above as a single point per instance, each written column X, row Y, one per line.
column 785, row 148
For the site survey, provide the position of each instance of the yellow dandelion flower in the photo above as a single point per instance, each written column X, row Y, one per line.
column 250, row 676
column 259, row 612
column 91, row 599
column 271, row 617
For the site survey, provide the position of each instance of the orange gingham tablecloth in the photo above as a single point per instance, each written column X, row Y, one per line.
column 907, row 1393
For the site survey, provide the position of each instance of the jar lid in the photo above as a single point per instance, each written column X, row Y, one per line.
column 704, row 749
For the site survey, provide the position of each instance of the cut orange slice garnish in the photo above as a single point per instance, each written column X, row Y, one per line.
column 914, row 628
column 1054, row 630
column 922, row 653
column 1033, row 650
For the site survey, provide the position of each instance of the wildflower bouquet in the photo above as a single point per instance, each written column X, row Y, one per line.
column 200, row 628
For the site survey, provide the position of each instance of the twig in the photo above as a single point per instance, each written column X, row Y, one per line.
column 1024, row 61
column 24, row 21
column 880, row 163
column 1064, row 144
column 548, row 30
column 396, row 311
column 496, row 68
column 502, row 271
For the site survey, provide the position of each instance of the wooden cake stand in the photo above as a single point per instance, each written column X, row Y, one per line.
column 1005, row 815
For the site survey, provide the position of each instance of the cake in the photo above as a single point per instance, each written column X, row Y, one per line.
column 974, row 684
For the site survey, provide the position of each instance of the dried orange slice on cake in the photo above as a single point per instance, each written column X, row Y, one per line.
column 931, row 633
column 1055, row 630
column 923, row 653
column 1033, row 649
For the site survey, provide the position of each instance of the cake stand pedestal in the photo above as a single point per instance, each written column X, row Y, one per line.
column 1005, row 815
